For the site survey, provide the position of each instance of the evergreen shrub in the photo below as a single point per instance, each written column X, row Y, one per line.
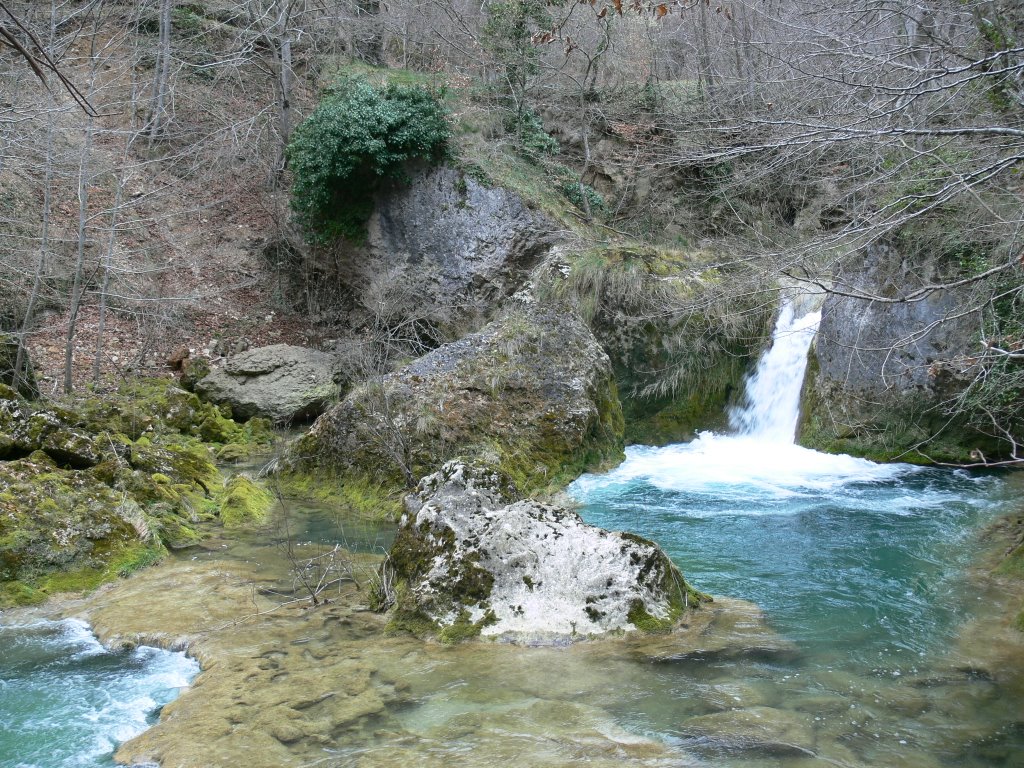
column 356, row 137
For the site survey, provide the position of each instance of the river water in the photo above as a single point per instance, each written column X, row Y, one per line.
column 67, row 701
column 872, row 657
column 862, row 565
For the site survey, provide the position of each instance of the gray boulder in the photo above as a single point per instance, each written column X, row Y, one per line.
column 532, row 392
column 280, row 382
column 463, row 246
column 471, row 559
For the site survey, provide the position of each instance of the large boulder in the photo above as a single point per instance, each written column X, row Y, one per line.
column 532, row 392
column 471, row 559
column 467, row 245
column 280, row 382
column 879, row 383
column 442, row 251
column 26, row 428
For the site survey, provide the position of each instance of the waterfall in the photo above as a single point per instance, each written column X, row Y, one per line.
column 771, row 404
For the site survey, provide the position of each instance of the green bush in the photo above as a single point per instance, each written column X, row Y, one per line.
column 534, row 142
column 357, row 136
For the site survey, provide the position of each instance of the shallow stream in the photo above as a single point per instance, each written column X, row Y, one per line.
column 880, row 648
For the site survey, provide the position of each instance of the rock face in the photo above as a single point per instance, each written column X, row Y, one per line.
column 280, row 382
column 472, row 559
column 26, row 381
column 465, row 246
column 876, row 383
column 25, row 429
column 532, row 392
column 675, row 368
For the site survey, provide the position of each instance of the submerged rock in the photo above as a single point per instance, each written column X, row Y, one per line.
column 280, row 382
column 532, row 392
column 759, row 730
column 471, row 559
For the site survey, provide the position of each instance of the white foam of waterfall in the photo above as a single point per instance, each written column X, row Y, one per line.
column 772, row 399
column 760, row 459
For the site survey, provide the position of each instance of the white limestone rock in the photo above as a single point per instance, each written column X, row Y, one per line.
column 474, row 560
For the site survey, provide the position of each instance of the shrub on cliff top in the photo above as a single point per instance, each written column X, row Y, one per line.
column 357, row 136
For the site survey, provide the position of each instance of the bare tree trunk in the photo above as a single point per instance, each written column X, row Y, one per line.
column 163, row 68
column 282, row 47
column 77, row 288
column 108, row 258
column 44, row 247
column 707, row 77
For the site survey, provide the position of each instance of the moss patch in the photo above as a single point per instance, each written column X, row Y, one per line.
column 98, row 485
column 361, row 496
column 245, row 503
column 464, row 628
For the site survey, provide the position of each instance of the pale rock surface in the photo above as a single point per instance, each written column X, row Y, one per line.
column 527, row 571
column 280, row 382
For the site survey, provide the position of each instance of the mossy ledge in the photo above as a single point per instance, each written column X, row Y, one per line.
column 95, row 486
column 676, row 368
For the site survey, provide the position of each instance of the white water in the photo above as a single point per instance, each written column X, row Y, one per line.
column 65, row 700
column 772, row 399
column 761, row 460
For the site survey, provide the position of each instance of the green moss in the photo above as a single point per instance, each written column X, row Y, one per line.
column 152, row 485
column 415, row 623
column 464, row 628
column 1013, row 563
column 1018, row 623
column 644, row 621
column 361, row 496
column 120, row 563
column 232, row 452
column 244, row 503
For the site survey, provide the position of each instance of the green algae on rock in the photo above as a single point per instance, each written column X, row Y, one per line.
column 472, row 558
column 532, row 392
column 245, row 503
column 97, row 486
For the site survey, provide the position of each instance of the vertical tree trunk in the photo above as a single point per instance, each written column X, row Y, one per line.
column 279, row 39
column 108, row 258
column 707, row 78
column 163, row 69
column 44, row 247
column 77, row 287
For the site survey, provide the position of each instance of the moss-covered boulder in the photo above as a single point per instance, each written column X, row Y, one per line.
column 27, row 427
column 470, row 559
column 62, row 529
column 97, row 485
column 532, row 392
column 245, row 503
